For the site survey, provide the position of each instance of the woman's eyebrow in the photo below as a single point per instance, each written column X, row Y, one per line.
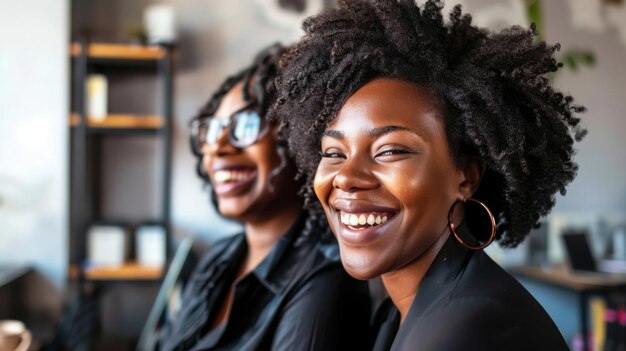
column 337, row 134
column 376, row 132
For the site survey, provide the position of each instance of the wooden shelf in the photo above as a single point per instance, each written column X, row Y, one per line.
column 119, row 51
column 129, row 271
column 121, row 122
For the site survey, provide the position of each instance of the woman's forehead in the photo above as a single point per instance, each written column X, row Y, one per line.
column 232, row 102
column 388, row 102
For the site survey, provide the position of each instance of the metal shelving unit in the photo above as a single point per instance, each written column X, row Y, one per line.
column 86, row 149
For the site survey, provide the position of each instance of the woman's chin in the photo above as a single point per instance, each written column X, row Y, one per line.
column 359, row 266
column 235, row 213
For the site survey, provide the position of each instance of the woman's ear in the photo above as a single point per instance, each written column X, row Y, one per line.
column 473, row 170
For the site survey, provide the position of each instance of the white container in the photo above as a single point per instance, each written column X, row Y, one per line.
column 97, row 97
column 150, row 245
column 106, row 246
column 159, row 23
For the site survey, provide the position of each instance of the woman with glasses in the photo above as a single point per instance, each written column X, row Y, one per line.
column 425, row 140
column 280, row 284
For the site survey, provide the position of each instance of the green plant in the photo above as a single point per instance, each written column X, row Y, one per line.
column 572, row 58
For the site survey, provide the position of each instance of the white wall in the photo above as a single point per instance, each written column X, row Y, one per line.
column 596, row 199
column 33, row 135
column 601, row 185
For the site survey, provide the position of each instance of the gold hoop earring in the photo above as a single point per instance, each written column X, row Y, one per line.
column 458, row 238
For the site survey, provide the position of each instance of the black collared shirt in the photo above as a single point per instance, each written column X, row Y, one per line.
column 467, row 302
column 298, row 298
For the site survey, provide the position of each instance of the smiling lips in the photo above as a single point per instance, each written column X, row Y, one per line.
column 230, row 181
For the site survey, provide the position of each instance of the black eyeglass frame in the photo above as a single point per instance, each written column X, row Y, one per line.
column 228, row 125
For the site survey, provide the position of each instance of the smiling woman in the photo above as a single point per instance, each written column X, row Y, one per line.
column 279, row 285
column 415, row 135
column 385, row 156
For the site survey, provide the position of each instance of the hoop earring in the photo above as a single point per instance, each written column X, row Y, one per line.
column 458, row 238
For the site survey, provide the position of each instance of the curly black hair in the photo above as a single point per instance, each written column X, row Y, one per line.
column 498, row 104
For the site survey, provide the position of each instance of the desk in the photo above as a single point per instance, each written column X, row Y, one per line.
column 9, row 274
column 585, row 284
column 10, row 277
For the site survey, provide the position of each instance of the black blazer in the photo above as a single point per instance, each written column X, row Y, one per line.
column 467, row 302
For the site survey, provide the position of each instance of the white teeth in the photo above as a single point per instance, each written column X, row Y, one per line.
column 354, row 220
column 362, row 220
column 224, row 176
column 346, row 218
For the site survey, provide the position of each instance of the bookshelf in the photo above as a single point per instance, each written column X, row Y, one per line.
column 87, row 136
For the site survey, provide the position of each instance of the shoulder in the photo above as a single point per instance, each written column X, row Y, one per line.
column 473, row 322
column 496, row 322
column 482, row 278
column 494, row 311
column 499, row 293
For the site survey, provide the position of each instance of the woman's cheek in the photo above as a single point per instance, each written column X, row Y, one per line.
column 323, row 183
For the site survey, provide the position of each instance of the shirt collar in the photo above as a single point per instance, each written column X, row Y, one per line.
column 235, row 252
column 267, row 272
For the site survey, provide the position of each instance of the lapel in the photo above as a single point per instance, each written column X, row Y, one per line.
column 438, row 283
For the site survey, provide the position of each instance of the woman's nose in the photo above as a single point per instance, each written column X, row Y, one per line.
column 221, row 146
column 355, row 175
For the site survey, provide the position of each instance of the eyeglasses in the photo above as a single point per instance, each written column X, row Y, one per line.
column 244, row 128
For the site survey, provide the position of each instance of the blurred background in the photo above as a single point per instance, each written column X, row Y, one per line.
column 98, row 185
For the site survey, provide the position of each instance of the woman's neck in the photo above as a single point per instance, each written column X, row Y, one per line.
column 403, row 284
column 262, row 235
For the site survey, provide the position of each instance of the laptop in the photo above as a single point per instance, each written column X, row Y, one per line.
column 579, row 251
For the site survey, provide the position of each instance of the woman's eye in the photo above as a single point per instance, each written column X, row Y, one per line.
column 331, row 154
column 391, row 152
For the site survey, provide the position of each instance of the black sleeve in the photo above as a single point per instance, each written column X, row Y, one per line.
column 329, row 312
